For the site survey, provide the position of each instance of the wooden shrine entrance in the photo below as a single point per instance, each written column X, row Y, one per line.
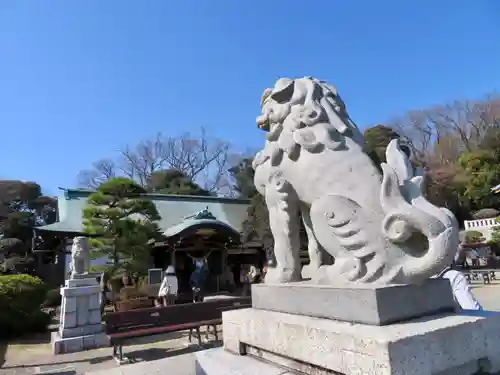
column 201, row 238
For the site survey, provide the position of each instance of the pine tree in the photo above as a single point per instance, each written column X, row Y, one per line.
column 121, row 221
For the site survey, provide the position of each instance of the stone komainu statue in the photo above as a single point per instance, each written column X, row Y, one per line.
column 378, row 226
column 80, row 256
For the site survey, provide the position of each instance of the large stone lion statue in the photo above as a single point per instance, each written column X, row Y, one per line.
column 379, row 228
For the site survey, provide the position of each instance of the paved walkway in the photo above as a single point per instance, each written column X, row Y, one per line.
column 166, row 354
column 488, row 295
column 180, row 365
column 27, row 357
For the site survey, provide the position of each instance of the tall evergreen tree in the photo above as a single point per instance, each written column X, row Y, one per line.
column 174, row 181
column 122, row 223
column 377, row 138
column 243, row 175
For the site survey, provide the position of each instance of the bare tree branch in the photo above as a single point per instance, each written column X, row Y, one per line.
column 139, row 162
column 102, row 170
column 460, row 125
column 203, row 160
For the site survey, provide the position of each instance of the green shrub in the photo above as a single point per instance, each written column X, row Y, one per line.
column 143, row 281
column 473, row 236
column 21, row 298
column 98, row 269
column 38, row 321
column 53, row 298
column 116, row 283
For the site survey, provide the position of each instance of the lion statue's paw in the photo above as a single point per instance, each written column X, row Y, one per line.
column 280, row 275
column 344, row 270
column 310, row 271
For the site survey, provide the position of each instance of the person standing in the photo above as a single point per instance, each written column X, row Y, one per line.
column 474, row 257
column 264, row 272
column 245, row 281
column 197, row 295
column 250, row 276
column 461, row 289
column 255, row 275
column 228, row 278
column 461, row 257
column 201, row 272
column 169, row 287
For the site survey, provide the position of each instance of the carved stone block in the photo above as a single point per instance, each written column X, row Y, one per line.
column 358, row 303
column 444, row 344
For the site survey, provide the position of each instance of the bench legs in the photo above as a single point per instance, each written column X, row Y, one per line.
column 118, row 354
column 207, row 333
column 215, row 333
column 190, row 334
column 198, row 334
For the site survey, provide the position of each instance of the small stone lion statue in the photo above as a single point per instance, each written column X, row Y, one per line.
column 378, row 227
column 80, row 256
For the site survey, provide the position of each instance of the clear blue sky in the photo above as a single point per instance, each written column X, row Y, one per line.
column 79, row 79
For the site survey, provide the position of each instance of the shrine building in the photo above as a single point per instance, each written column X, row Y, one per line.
column 193, row 227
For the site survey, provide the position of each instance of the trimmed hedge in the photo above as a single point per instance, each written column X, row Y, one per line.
column 53, row 298
column 21, row 299
column 473, row 236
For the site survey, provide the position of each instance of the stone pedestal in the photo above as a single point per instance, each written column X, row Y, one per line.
column 80, row 321
column 286, row 332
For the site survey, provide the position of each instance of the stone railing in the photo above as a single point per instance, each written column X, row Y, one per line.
column 479, row 224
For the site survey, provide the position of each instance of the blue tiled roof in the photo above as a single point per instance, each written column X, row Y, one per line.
column 172, row 209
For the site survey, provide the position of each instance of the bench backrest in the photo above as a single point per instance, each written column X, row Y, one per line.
column 172, row 315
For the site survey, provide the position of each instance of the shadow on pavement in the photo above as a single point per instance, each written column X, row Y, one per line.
column 142, row 355
column 95, row 360
column 31, row 339
column 157, row 338
column 153, row 354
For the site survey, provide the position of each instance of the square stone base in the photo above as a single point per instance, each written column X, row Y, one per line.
column 359, row 303
column 86, row 330
column 81, row 281
column 77, row 344
column 447, row 344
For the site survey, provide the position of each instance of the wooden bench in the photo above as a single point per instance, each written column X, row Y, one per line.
column 134, row 303
column 125, row 325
